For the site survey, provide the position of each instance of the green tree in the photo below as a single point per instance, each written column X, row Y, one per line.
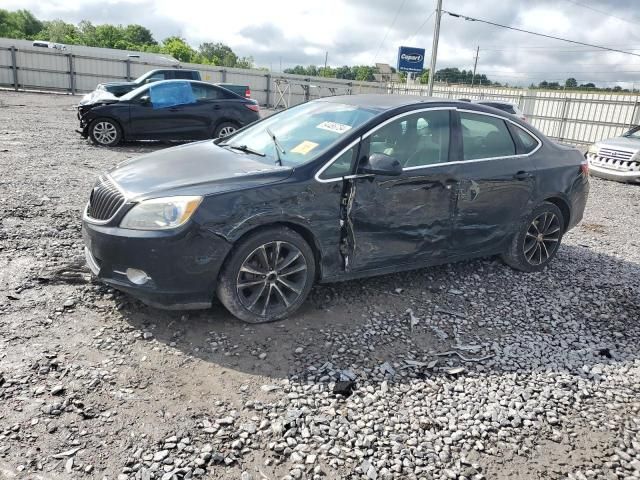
column 218, row 54
column 178, row 48
column 59, row 31
column 138, row 35
column 108, row 36
column 571, row 82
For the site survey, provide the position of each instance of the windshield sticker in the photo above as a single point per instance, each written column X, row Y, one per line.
column 304, row 147
column 334, row 127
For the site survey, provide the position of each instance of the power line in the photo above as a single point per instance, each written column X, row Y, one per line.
column 472, row 19
column 421, row 26
column 602, row 12
column 388, row 30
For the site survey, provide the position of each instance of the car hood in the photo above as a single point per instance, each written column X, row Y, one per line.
column 98, row 97
column 626, row 143
column 198, row 168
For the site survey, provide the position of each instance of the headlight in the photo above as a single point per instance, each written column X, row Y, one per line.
column 636, row 157
column 594, row 149
column 160, row 213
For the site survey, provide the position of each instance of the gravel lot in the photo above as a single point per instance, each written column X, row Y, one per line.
column 466, row 371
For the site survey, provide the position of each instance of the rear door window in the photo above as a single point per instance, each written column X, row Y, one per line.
column 484, row 136
column 206, row 92
column 527, row 142
column 181, row 74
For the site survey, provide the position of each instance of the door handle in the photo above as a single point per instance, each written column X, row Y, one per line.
column 522, row 175
column 174, row 109
column 216, row 107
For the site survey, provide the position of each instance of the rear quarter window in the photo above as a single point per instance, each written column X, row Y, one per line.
column 527, row 142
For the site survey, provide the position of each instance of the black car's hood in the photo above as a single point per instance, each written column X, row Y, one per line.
column 98, row 97
column 198, row 168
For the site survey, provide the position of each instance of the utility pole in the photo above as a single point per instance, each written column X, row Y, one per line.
column 475, row 64
column 326, row 56
column 434, row 48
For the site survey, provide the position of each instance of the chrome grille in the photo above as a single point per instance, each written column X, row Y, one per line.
column 613, row 163
column 617, row 154
column 105, row 200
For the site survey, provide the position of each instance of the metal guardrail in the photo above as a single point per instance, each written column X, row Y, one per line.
column 570, row 117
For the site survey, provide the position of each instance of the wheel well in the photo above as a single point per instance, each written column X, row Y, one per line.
column 564, row 208
column 299, row 229
column 111, row 119
column 224, row 120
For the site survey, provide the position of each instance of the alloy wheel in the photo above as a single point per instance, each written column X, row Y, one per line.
column 271, row 278
column 542, row 238
column 105, row 133
column 226, row 131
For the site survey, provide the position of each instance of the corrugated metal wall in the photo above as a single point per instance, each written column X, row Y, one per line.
column 574, row 117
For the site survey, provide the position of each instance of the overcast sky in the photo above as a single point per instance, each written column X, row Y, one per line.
column 363, row 32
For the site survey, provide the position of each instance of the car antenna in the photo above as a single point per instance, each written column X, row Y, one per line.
column 277, row 144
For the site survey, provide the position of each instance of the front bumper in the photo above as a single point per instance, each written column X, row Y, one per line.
column 621, row 170
column 619, row 176
column 183, row 265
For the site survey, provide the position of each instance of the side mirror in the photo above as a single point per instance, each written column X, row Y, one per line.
column 381, row 164
column 145, row 100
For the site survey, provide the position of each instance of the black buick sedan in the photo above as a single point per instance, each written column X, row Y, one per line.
column 333, row 189
column 165, row 110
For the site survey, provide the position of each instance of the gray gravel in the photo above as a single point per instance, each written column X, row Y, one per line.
column 465, row 371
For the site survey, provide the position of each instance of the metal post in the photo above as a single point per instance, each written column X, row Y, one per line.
column 14, row 68
column 128, row 70
column 72, row 79
column 434, row 48
column 224, row 76
column 635, row 116
column 563, row 119
column 268, row 75
column 475, row 64
column 326, row 57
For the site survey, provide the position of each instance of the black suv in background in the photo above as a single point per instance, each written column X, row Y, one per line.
column 120, row 88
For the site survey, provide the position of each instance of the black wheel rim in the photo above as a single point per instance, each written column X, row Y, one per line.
column 271, row 278
column 542, row 238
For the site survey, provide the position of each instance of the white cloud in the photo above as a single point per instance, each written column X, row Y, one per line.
column 299, row 32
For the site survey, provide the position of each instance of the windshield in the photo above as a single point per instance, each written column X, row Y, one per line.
column 302, row 132
column 135, row 92
column 633, row 133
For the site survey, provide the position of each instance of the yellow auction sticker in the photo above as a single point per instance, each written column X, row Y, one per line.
column 304, row 147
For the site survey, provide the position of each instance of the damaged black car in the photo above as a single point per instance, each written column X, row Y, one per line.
column 165, row 110
column 334, row 189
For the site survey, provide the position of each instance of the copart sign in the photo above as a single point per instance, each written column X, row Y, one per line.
column 410, row 59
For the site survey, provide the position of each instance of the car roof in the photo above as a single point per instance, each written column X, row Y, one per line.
column 495, row 102
column 174, row 80
column 385, row 102
column 382, row 101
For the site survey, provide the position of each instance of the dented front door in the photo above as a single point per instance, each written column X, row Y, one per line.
column 401, row 220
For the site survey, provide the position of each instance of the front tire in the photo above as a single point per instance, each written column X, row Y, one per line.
column 538, row 239
column 268, row 276
column 105, row 132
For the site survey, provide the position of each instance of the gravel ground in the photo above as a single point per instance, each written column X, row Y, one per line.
column 465, row 371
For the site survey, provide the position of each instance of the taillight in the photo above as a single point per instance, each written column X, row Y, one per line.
column 253, row 106
column 584, row 168
column 247, row 93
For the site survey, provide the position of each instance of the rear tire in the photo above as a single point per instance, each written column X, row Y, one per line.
column 537, row 240
column 268, row 276
column 225, row 129
column 105, row 132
